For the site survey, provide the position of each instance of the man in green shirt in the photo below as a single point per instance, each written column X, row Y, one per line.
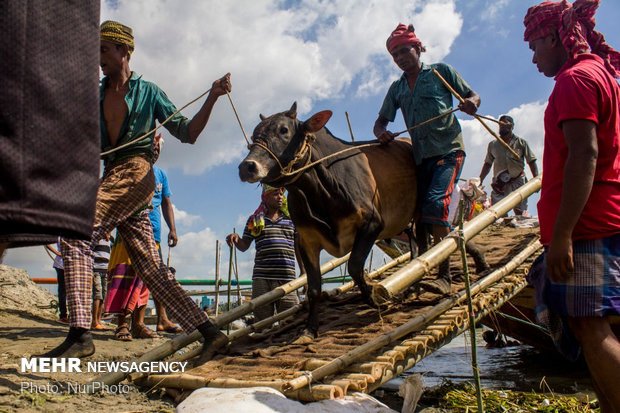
column 508, row 171
column 438, row 147
column 129, row 108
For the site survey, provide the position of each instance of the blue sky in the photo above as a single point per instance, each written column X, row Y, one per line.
column 324, row 55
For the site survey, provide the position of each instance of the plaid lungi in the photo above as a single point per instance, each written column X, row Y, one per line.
column 593, row 290
column 126, row 187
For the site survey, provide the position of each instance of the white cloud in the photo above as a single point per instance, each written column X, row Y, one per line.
column 184, row 219
column 312, row 50
column 194, row 255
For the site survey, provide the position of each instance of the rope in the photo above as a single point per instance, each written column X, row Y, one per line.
column 238, row 120
column 152, row 130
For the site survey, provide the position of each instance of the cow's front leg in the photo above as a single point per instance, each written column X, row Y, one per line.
column 313, row 272
column 364, row 240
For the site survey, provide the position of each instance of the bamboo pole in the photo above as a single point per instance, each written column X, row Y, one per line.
column 478, row 117
column 239, row 298
column 217, row 276
column 390, row 374
column 472, row 324
column 178, row 342
column 414, row 271
column 412, row 325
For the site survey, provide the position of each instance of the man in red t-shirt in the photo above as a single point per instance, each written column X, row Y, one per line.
column 578, row 277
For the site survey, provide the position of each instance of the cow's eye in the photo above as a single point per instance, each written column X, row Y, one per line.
column 283, row 130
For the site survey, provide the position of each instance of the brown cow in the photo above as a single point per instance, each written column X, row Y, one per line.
column 340, row 205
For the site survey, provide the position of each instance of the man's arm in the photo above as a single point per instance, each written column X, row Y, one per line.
column 383, row 135
column 580, row 136
column 168, row 212
column 51, row 248
column 533, row 168
column 486, row 167
column 242, row 244
column 199, row 121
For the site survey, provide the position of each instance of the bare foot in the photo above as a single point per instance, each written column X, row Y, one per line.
column 169, row 327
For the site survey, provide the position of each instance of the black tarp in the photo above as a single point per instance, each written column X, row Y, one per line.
column 49, row 119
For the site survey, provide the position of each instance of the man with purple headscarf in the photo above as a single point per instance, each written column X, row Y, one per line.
column 577, row 278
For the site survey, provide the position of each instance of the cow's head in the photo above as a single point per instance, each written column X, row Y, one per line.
column 283, row 135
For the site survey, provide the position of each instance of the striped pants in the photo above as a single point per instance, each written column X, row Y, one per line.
column 125, row 189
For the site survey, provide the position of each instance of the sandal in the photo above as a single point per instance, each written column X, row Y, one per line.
column 122, row 333
column 144, row 332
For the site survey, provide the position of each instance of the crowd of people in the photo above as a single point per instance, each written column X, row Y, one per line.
column 577, row 278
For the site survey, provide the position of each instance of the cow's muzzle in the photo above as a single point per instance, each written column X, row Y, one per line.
column 251, row 171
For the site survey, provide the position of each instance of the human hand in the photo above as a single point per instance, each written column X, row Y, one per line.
column 221, row 86
column 386, row 137
column 559, row 258
column 232, row 239
column 469, row 106
column 172, row 238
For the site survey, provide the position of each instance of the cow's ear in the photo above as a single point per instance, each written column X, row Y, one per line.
column 262, row 117
column 292, row 112
column 317, row 121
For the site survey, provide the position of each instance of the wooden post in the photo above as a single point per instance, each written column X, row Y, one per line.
column 217, row 276
column 350, row 129
column 230, row 271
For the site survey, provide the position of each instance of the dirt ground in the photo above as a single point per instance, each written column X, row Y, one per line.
column 26, row 329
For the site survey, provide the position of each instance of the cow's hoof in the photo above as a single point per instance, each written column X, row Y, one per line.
column 307, row 337
column 437, row 286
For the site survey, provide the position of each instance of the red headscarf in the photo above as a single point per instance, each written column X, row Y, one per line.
column 575, row 26
column 403, row 35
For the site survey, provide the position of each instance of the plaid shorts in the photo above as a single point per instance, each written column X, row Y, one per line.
column 593, row 290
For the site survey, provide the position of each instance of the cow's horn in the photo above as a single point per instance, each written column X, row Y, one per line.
column 262, row 117
column 292, row 112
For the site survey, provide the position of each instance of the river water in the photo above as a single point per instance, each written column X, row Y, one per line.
column 519, row 367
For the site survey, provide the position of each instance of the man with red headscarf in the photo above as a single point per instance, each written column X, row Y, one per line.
column 577, row 278
column 438, row 147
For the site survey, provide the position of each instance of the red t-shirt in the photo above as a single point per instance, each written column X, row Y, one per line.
column 584, row 89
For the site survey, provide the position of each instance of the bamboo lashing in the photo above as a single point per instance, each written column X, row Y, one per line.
column 413, row 325
column 183, row 340
column 414, row 271
column 390, row 374
column 461, row 100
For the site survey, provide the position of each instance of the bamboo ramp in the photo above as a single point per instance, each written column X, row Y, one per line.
column 359, row 348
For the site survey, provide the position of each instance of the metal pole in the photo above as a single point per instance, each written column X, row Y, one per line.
column 470, row 308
